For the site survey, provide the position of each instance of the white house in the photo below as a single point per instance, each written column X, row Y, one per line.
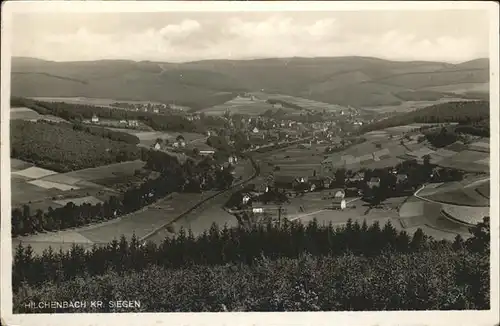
column 133, row 123
column 95, row 119
column 157, row 146
column 246, row 198
column 255, row 130
column 156, row 110
column 232, row 159
column 207, row 152
column 339, row 203
column 338, row 193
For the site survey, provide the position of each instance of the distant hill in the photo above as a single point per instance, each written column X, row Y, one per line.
column 463, row 112
column 355, row 81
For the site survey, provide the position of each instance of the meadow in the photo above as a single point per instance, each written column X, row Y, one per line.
column 41, row 188
column 23, row 114
column 307, row 104
column 240, row 105
column 105, row 102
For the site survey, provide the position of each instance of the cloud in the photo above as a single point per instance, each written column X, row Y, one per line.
column 240, row 38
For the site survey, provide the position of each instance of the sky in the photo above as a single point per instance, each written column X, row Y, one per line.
column 449, row 36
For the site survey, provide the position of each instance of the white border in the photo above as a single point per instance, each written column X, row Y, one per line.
column 479, row 318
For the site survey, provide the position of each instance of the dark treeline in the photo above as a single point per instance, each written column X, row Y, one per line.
column 480, row 128
column 59, row 147
column 174, row 177
column 77, row 112
column 442, row 137
column 107, row 133
column 467, row 112
column 385, row 253
column 167, row 121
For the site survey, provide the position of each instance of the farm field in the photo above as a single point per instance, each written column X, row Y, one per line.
column 240, row 105
column 302, row 102
column 416, row 213
column 315, row 207
column 139, row 223
column 41, row 188
column 467, row 192
column 103, row 174
column 24, row 114
column 398, row 130
column 294, row 161
column 407, row 106
column 89, row 101
column 148, row 138
column 144, row 221
column 16, row 165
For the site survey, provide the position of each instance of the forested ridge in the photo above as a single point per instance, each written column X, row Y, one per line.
column 168, row 121
column 287, row 267
column 61, row 148
column 464, row 112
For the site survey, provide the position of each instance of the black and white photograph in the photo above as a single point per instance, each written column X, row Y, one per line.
column 235, row 158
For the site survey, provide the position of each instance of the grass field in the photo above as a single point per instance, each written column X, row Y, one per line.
column 105, row 172
column 240, row 105
column 33, row 172
column 416, row 213
column 407, row 106
column 17, row 165
column 315, row 207
column 467, row 160
column 23, row 114
column 41, row 189
column 467, row 193
column 294, row 161
column 89, row 101
column 302, row 102
column 148, row 138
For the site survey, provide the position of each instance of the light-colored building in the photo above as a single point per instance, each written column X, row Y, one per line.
column 95, row 119
column 339, row 203
column 133, row 123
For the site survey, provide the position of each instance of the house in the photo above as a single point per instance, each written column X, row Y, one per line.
column 95, row 119
column 204, row 149
column 157, row 146
column 338, row 193
column 232, row 159
column 255, row 130
column 133, row 123
column 319, row 182
column 288, row 182
column 246, row 199
column 123, row 122
column 277, row 105
column 339, row 203
column 156, row 110
column 401, row 178
column 207, row 152
column 358, row 177
column 374, row 182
